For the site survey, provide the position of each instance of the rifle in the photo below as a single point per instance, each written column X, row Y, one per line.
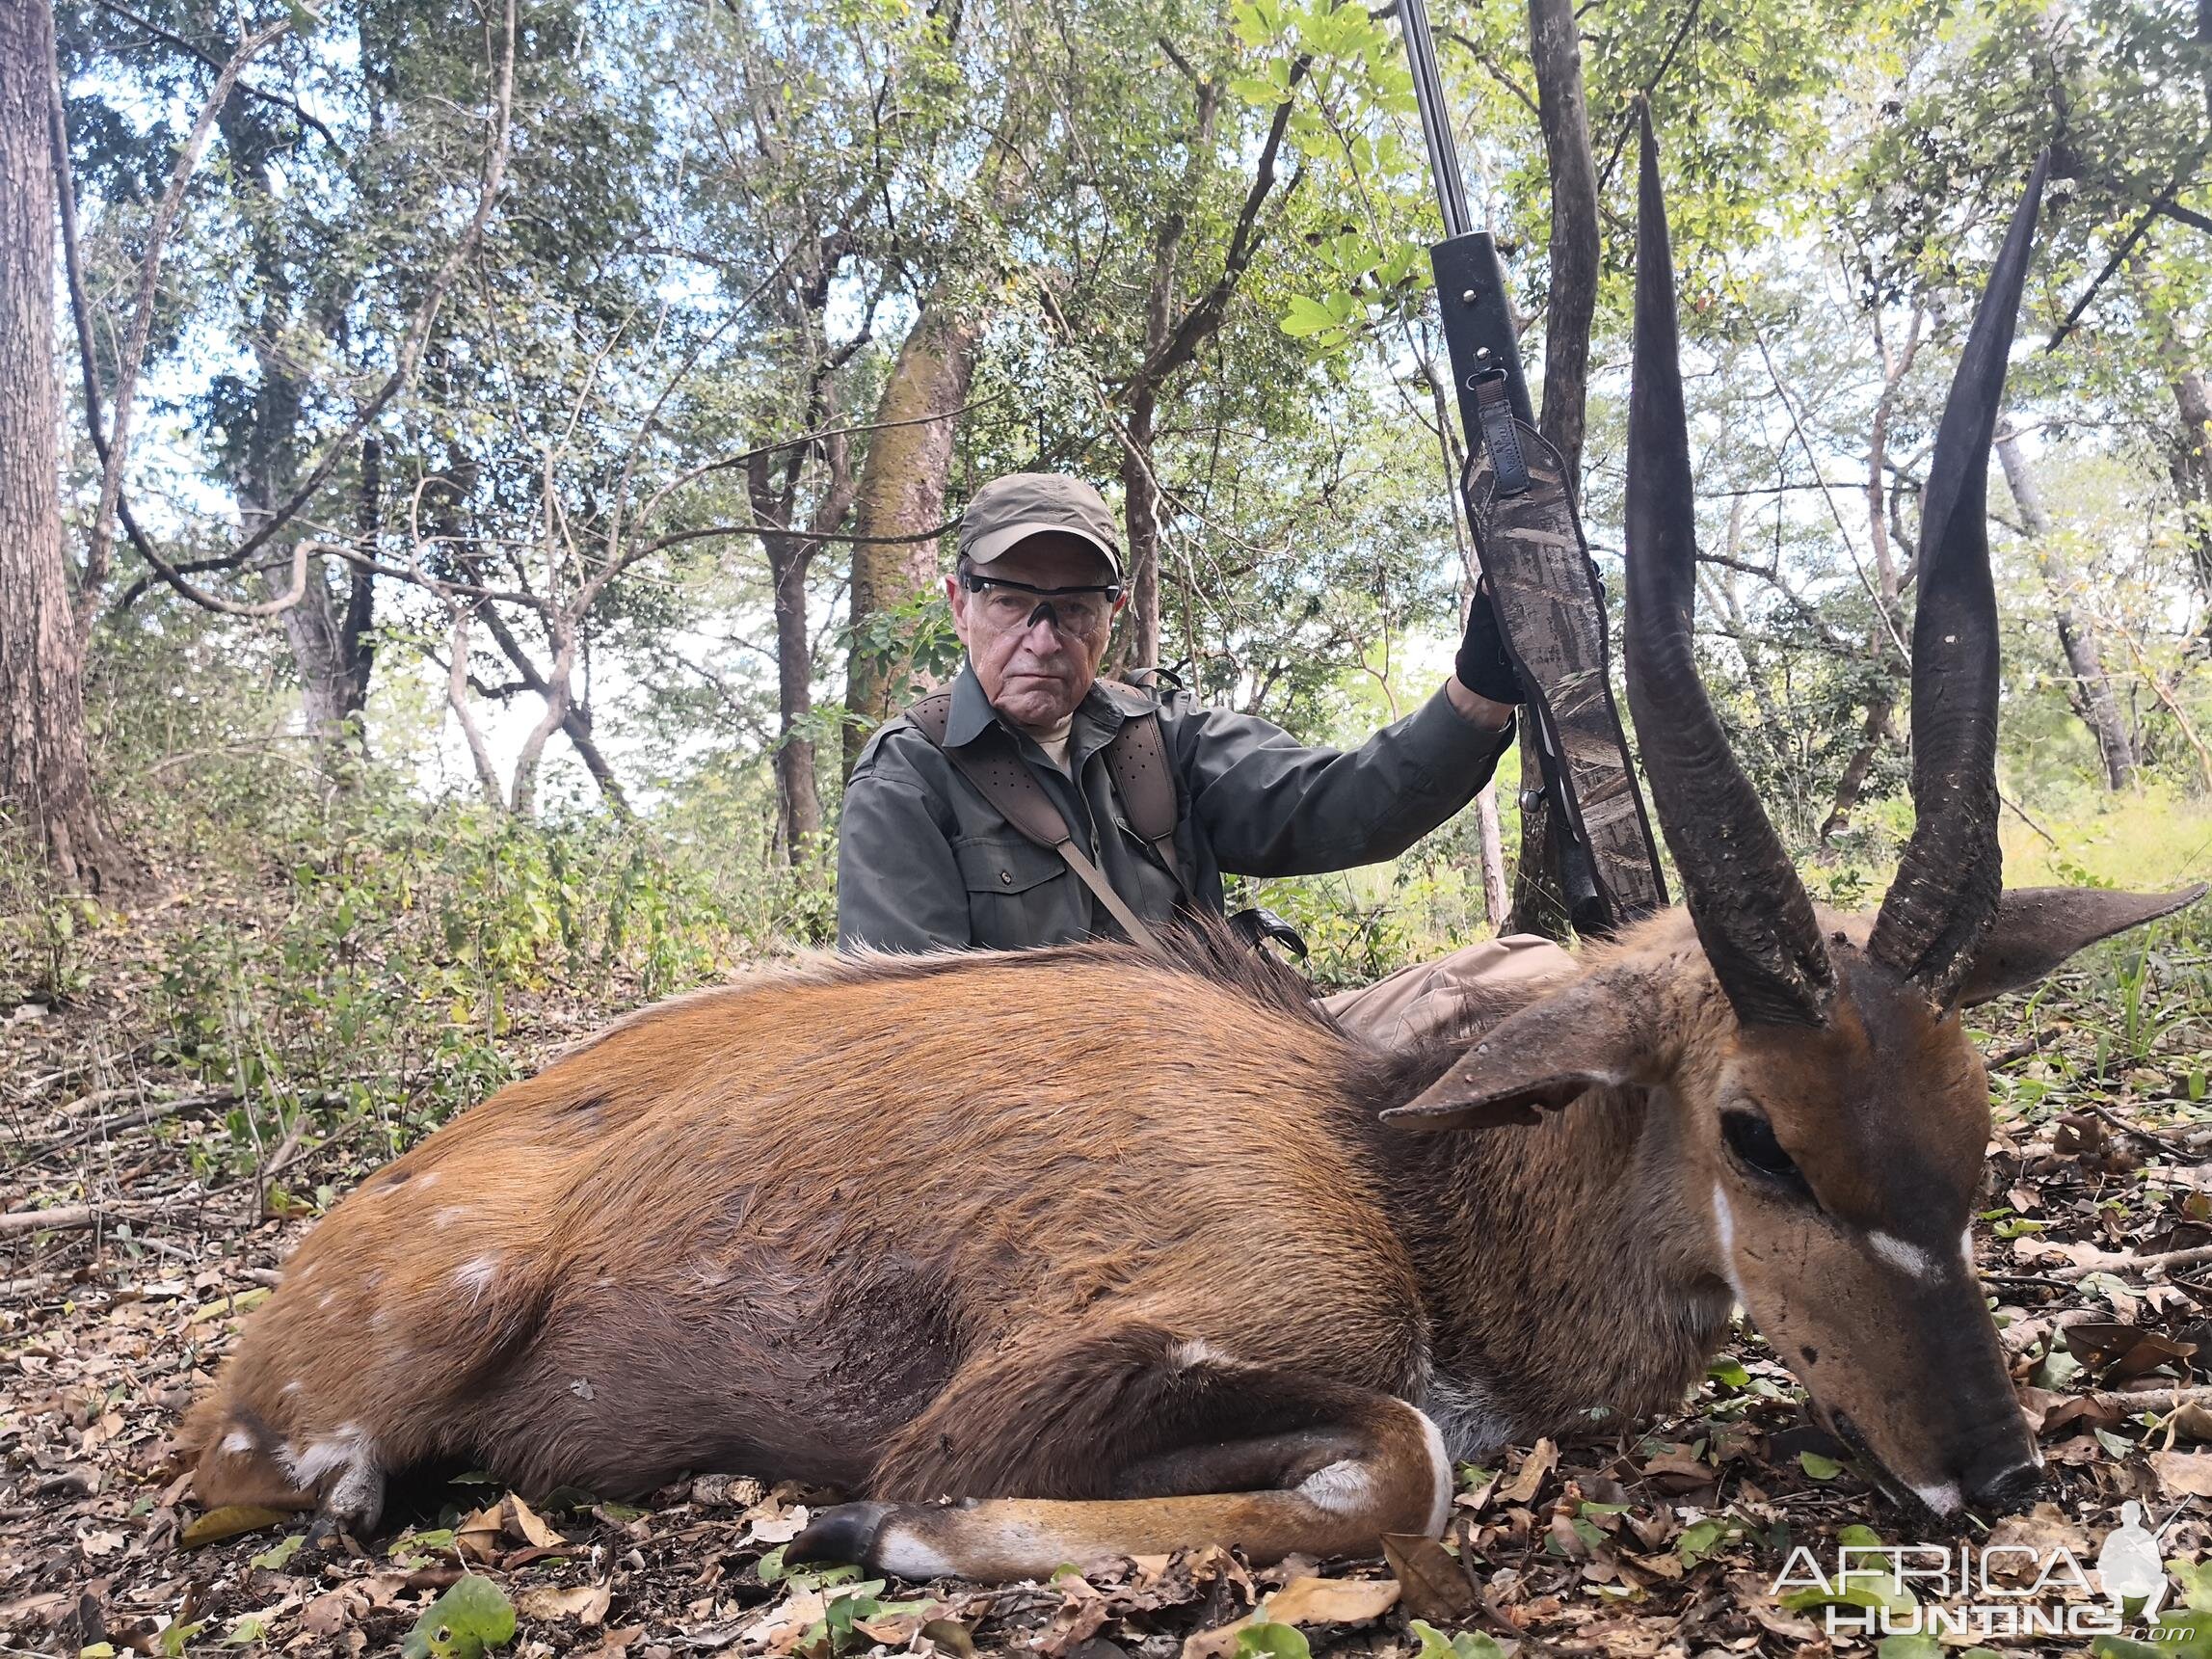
column 1520, row 505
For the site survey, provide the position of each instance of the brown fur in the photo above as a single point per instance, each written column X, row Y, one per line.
column 1060, row 1225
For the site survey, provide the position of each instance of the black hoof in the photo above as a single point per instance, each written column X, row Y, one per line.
column 846, row 1533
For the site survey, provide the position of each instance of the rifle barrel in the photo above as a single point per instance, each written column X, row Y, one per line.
column 1435, row 117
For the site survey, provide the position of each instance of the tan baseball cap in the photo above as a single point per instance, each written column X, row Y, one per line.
column 1011, row 509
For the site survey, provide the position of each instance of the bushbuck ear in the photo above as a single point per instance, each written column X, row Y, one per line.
column 1581, row 1036
column 2039, row 928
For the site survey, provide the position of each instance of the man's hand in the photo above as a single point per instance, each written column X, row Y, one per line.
column 1483, row 686
column 1482, row 665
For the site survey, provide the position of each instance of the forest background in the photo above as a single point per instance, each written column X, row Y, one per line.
column 509, row 453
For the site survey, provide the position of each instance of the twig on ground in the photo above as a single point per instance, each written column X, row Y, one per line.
column 2126, row 1261
column 2026, row 1046
column 152, row 1111
column 2171, row 1148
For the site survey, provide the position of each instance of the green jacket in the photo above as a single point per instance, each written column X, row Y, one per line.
column 924, row 863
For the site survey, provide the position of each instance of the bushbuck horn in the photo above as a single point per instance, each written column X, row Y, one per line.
column 1752, row 914
column 1949, row 880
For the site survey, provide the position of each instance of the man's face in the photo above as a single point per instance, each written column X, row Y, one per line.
column 1034, row 672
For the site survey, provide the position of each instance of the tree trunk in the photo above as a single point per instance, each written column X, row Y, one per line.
column 2192, row 463
column 2091, row 693
column 267, row 467
column 1555, row 48
column 800, row 802
column 45, row 773
column 1539, row 906
column 1140, row 516
column 901, row 495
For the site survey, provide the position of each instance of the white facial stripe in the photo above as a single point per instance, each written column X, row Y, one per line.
column 1967, row 1249
column 1898, row 1254
column 1724, row 1228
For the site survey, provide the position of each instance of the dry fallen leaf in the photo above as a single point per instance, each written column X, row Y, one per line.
column 229, row 1521
column 1302, row 1601
column 1541, row 1460
column 1434, row 1587
column 1330, row 1601
column 2183, row 1474
column 585, row 1603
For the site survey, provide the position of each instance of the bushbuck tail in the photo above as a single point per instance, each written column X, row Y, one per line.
column 1123, row 1256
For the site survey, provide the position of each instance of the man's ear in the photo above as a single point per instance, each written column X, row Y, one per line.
column 1582, row 1037
column 2039, row 928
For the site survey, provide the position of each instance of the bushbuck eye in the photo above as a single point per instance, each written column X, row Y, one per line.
column 1751, row 1140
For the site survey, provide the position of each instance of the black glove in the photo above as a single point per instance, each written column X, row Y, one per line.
column 1482, row 665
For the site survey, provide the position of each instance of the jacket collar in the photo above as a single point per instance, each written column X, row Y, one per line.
column 1103, row 708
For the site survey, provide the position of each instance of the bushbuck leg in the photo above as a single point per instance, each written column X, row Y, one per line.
column 1133, row 1443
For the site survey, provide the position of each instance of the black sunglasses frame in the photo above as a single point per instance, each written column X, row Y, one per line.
column 974, row 582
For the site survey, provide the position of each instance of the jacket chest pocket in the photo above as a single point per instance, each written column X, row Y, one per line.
column 1017, row 892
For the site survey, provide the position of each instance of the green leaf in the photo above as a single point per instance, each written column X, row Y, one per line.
column 274, row 1558
column 1272, row 1642
column 2196, row 1578
column 1818, row 1467
column 770, row 1567
column 1465, row 1644
column 1729, row 1372
column 1265, row 95
column 1908, row 1647
column 1306, row 317
column 1698, row 1540
column 469, row 1619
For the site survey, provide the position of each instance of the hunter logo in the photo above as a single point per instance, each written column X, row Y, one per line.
column 1872, row 1589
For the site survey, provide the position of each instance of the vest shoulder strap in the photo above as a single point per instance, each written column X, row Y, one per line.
column 1000, row 777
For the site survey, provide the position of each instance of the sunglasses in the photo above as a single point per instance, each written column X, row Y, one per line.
column 1078, row 610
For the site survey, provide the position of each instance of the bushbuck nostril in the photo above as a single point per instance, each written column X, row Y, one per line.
column 2009, row 1487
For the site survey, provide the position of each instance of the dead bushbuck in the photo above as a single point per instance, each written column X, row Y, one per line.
column 1137, row 1255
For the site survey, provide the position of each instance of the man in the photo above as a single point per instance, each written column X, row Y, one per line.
column 929, row 859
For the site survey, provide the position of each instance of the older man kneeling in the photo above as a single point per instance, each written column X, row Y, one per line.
column 1032, row 803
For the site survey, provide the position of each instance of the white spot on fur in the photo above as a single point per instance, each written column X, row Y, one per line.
column 294, row 1386
column 902, row 1555
column 451, row 1213
column 1184, row 1354
column 1967, row 1249
column 423, row 1183
column 1944, row 1500
column 1343, row 1488
column 476, row 1276
column 238, row 1441
column 1725, row 1229
column 1900, row 1254
column 326, row 1299
column 310, row 1270
column 344, row 1448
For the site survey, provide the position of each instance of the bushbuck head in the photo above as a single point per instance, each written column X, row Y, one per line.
column 1827, row 1114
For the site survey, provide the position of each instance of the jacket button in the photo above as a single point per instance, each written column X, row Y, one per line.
column 1005, row 878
